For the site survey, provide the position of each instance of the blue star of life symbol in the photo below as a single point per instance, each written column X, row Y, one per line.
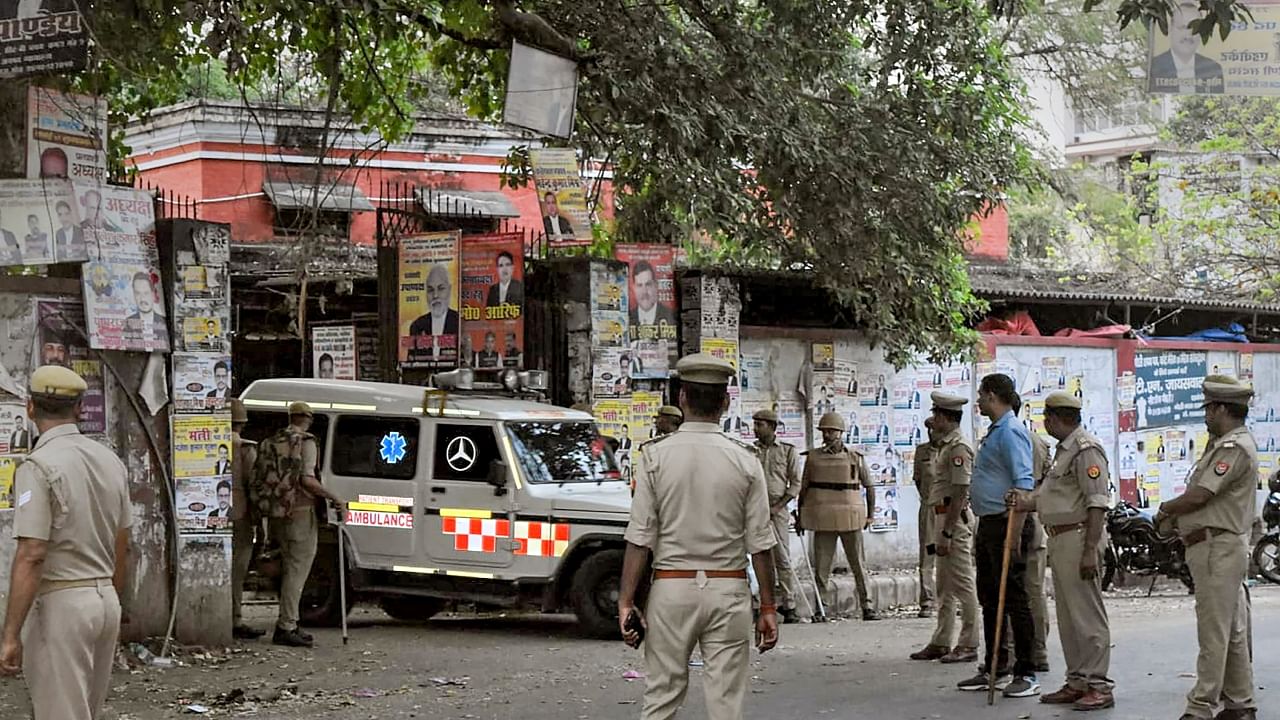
column 392, row 448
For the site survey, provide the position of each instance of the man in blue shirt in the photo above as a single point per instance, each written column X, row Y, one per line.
column 1003, row 464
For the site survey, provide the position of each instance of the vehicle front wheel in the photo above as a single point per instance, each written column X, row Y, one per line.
column 594, row 593
column 411, row 608
column 1266, row 555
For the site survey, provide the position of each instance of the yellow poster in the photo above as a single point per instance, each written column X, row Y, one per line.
column 8, row 465
column 824, row 356
column 644, row 407
column 201, row 446
column 561, row 197
column 723, row 348
column 1245, row 63
column 428, row 295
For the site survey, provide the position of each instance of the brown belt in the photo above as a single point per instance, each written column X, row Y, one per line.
column 48, row 586
column 690, row 574
column 1056, row 530
column 1195, row 537
column 941, row 509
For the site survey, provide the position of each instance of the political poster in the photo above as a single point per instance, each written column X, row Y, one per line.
column 15, row 428
column 429, row 320
column 644, row 408
column 203, row 327
column 608, row 305
column 823, row 356
column 122, row 280
column 65, row 135
column 561, row 197
column 39, row 224
column 203, row 504
column 107, row 211
column 723, row 349
column 610, row 372
column 1243, row 63
column 201, row 282
column 8, row 467
column 886, row 515
column 720, row 306
column 1167, row 387
column 333, row 352
column 49, row 37
column 59, row 342
column 651, row 311
column 201, row 445
column 201, row 382
column 493, row 300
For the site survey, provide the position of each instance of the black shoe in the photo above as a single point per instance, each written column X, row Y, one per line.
column 290, row 638
column 789, row 616
column 244, row 632
column 870, row 614
column 1237, row 714
column 819, row 618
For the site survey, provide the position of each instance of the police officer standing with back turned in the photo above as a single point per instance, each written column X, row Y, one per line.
column 948, row 500
column 831, row 505
column 1072, row 503
column 244, row 521
column 72, row 520
column 922, row 475
column 782, row 478
column 1213, row 517
column 700, row 508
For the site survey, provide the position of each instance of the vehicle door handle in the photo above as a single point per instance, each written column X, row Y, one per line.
column 437, row 490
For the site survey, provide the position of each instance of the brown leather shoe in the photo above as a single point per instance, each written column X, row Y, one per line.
column 1065, row 696
column 960, row 655
column 1095, row 700
column 930, row 652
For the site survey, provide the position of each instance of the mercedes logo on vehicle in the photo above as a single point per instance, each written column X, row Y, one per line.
column 460, row 453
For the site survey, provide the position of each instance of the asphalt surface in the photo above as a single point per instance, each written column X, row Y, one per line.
column 538, row 667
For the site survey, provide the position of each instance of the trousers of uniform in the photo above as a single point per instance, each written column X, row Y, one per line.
column 989, row 557
column 824, row 555
column 242, row 531
column 927, row 523
column 713, row 614
column 957, row 588
column 1224, row 670
column 69, row 646
column 1037, row 561
column 297, row 535
column 1082, row 616
column 783, row 571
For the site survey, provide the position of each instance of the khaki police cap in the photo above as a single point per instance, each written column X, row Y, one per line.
column 300, row 408
column 57, row 381
column 831, row 421
column 704, row 369
column 947, row 401
column 1060, row 399
column 1224, row 389
column 238, row 413
column 671, row 411
column 766, row 415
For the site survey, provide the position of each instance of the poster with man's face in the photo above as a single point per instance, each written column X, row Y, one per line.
column 651, row 313
column 430, row 325
column 201, row 381
column 493, row 300
column 333, row 352
column 59, row 341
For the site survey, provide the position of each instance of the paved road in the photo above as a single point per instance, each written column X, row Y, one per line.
column 536, row 668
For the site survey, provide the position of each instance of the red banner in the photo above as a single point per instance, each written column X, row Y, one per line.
column 493, row 301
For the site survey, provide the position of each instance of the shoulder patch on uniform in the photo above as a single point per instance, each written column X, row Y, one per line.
column 1221, row 468
column 958, row 461
column 1094, row 472
column 24, row 498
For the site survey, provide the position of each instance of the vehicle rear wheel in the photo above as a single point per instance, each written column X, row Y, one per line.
column 321, row 604
column 411, row 608
column 1266, row 555
column 594, row 593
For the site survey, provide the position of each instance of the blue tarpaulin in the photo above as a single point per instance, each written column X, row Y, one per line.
column 1233, row 333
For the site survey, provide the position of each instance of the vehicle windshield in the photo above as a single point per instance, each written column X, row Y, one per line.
column 562, row 452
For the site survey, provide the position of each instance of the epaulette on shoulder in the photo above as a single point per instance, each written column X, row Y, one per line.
column 742, row 443
column 853, row 449
column 1228, row 444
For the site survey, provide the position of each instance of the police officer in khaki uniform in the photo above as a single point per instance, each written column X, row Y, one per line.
column 668, row 420
column 1072, row 504
column 72, row 521
column 782, row 478
column 243, row 522
column 295, row 527
column 1036, row 558
column 700, row 507
column 922, row 475
column 1213, row 517
column 831, row 505
column 948, row 501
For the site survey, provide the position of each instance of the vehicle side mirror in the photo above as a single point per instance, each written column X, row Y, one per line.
column 498, row 477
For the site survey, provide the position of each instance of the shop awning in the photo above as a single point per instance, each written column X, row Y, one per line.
column 466, row 203
column 337, row 197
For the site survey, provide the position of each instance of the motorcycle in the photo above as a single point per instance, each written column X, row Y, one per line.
column 1136, row 548
column 1266, row 554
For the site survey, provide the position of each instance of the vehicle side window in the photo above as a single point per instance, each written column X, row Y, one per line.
column 464, row 452
column 376, row 447
column 265, row 423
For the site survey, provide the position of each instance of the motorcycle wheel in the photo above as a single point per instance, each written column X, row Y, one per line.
column 1109, row 566
column 1266, row 555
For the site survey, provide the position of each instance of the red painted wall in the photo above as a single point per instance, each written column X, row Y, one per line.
column 990, row 241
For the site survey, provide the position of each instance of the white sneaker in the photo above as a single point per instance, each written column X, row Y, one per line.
column 1023, row 686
